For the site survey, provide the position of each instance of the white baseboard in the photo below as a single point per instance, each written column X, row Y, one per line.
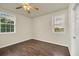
column 13, row 43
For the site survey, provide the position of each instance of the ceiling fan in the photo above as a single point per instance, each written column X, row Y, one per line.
column 27, row 7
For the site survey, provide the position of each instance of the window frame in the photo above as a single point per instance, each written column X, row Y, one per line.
column 11, row 17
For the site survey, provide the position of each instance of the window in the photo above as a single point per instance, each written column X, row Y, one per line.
column 7, row 24
column 59, row 23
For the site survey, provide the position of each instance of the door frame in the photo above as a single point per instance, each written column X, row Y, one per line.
column 72, row 8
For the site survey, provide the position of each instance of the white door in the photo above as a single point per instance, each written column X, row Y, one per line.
column 76, row 30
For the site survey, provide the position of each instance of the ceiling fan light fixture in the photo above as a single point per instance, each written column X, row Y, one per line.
column 27, row 7
column 24, row 7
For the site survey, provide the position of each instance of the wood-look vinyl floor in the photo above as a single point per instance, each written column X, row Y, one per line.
column 34, row 47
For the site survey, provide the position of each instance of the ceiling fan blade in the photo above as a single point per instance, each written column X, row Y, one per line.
column 36, row 8
column 18, row 7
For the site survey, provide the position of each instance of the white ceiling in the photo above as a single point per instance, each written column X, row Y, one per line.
column 44, row 8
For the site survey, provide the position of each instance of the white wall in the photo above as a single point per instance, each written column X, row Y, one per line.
column 39, row 28
column 23, row 31
column 43, row 29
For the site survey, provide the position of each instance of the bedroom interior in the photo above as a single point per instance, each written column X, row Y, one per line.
column 37, row 29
